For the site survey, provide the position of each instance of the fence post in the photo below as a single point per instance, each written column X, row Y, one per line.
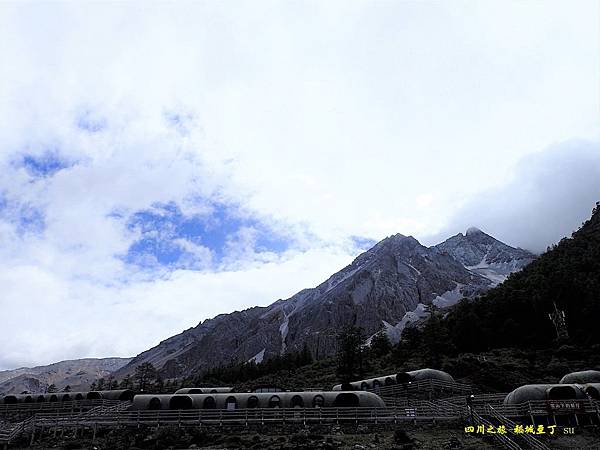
column 531, row 412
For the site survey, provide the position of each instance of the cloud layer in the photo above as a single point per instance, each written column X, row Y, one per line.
column 166, row 163
column 547, row 197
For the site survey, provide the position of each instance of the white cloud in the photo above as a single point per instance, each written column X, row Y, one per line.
column 322, row 121
column 548, row 196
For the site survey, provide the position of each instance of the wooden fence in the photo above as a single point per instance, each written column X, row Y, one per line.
column 423, row 386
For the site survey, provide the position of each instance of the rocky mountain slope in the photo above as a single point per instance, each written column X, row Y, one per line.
column 384, row 288
column 78, row 374
column 481, row 253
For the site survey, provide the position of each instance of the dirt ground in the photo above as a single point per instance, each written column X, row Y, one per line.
column 446, row 436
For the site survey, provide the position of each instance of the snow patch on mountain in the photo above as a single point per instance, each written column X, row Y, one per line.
column 449, row 298
column 484, row 255
column 283, row 331
column 394, row 332
column 258, row 358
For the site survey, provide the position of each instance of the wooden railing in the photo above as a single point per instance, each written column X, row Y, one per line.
column 422, row 411
column 502, row 439
column 540, row 408
column 11, row 431
column 45, row 406
column 118, row 414
column 503, row 420
column 430, row 385
column 478, row 398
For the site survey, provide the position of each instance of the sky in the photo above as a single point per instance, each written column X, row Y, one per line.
column 162, row 163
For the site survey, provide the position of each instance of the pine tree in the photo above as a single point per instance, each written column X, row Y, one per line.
column 145, row 373
column 126, row 383
column 380, row 344
column 350, row 353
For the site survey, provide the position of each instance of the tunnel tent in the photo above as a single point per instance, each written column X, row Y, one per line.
column 582, row 377
column 252, row 402
column 315, row 399
column 404, row 378
column 193, row 391
column 423, row 374
column 592, row 390
column 346, row 400
column 231, row 403
column 297, row 401
column 205, row 390
column 154, row 403
column 181, row 402
column 10, row 399
column 151, row 401
column 117, row 394
column 318, row 401
column 563, row 392
column 398, row 378
column 532, row 392
column 275, row 401
column 209, row 403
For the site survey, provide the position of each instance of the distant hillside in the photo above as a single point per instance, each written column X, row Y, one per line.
column 516, row 312
column 78, row 374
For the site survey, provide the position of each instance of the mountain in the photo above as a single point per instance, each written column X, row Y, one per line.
column 78, row 373
column 386, row 287
column 515, row 313
column 481, row 253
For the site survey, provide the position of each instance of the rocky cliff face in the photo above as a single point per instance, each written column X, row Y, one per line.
column 78, row 374
column 481, row 253
column 384, row 288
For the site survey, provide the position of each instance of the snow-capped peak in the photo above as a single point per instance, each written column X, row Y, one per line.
column 473, row 230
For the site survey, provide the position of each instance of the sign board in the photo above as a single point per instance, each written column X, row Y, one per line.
column 565, row 406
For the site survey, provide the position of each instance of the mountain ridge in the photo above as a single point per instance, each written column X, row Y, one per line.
column 76, row 373
column 385, row 287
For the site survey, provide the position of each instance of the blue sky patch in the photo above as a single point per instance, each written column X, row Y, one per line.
column 363, row 243
column 44, row 165
column 178, row 241
column 25, row 218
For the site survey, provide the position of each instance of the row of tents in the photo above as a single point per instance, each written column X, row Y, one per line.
column 123, row 395
column 393, row 379
column 575, row 385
